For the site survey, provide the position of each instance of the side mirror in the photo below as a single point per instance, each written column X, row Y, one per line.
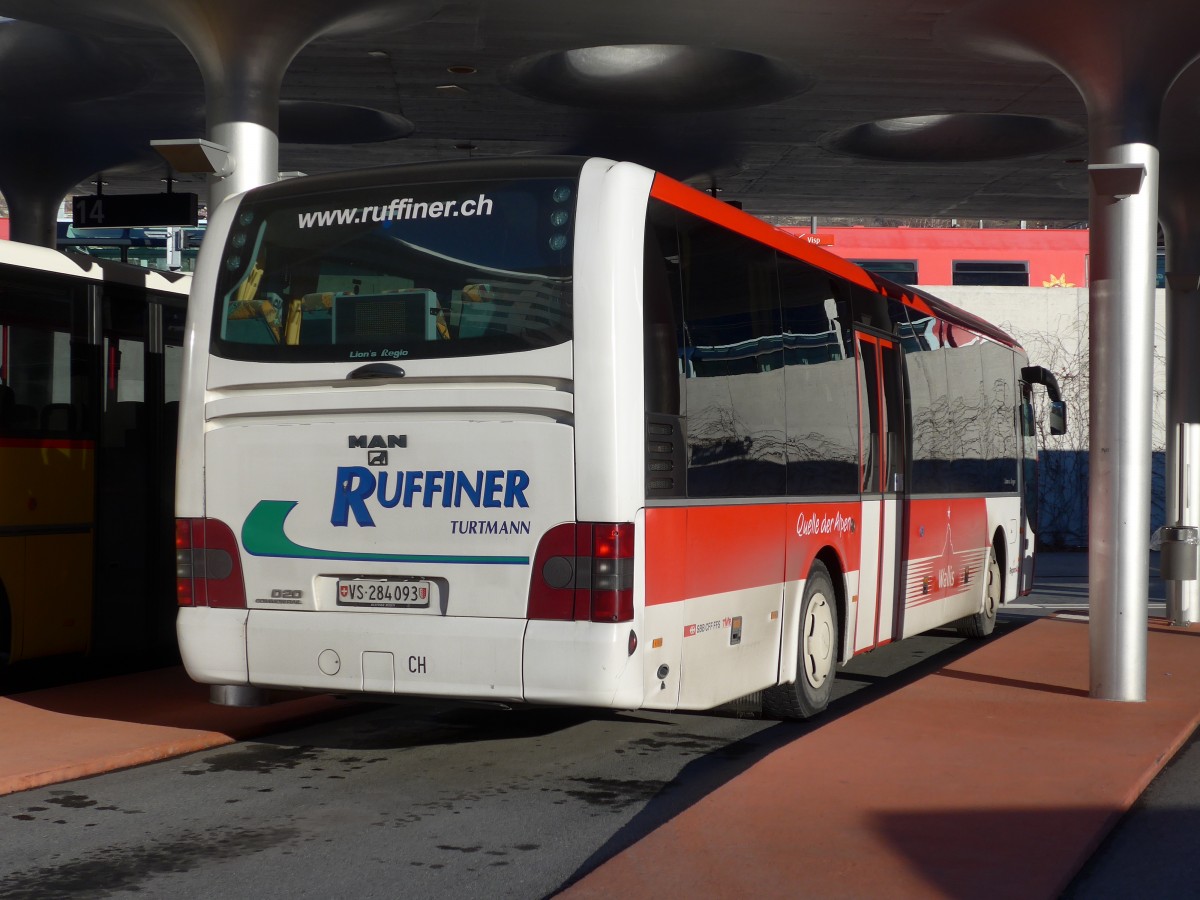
column 1058, row 417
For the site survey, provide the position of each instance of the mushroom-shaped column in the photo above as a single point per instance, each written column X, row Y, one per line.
column 243, row 48
column 1123, row 59
column 41, row 158
column 33, row 209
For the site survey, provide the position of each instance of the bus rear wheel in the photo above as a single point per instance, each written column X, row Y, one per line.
column 816, row 653
column 983, row 622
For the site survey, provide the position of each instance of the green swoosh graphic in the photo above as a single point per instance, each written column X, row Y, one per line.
column 263, row 535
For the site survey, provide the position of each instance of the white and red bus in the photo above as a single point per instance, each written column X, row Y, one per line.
column 568, row 431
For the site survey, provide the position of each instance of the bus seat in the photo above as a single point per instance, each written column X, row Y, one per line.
column 15, row 416
column 476, row 319
column 58, row 418
column 249, row 331
column 23, row 418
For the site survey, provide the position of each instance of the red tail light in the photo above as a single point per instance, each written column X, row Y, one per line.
column 612, row 573
column 208, row 568
column 583, row 571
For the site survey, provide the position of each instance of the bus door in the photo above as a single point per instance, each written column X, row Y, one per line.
column 135, row 489
column 1029, row 490
column 881, row 417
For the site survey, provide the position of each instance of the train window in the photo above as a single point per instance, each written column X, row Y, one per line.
column 43, row 352
column 1011, row 274
column 901, row 271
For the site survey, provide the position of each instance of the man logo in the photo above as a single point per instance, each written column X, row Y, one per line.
column 377, row 441
column 377, row 457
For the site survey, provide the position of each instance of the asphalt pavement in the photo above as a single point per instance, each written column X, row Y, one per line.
column 993, row 774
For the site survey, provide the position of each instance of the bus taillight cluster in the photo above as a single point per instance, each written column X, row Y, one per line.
column 583, row 571
column 208, row 571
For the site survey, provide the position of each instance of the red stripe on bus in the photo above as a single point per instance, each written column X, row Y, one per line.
column 696, row 551
column 691, row 200
column 701, row 550
column 47, row 443
column 666, row 540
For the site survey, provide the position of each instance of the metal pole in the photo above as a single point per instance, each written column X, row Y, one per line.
column 1183, row 423
column 1124, row 232
column 1177, row 212
column 255, row 152
column 1123, row 62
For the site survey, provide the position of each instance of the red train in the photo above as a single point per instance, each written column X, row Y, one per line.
column 1017, row 257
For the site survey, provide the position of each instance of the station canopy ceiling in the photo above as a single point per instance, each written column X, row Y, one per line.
column 854, row 108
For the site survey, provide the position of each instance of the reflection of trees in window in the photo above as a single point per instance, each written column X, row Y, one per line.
column 822, row 416
column 734, row 448
column 1001, row 399
column 964, row 376
column 934, row 437
column 963, row 424
column 822, row 425
column 734, row 351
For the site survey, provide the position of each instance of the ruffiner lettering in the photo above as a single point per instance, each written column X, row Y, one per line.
column 398, row 208
column 357, row 486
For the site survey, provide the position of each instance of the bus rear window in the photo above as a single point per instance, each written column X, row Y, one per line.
column 407, row 272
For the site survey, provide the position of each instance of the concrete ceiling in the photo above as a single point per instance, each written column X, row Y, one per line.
column 853, row 108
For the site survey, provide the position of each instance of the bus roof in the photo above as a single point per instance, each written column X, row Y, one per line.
column 919, row 299
column 43, row 259
column 683, row 196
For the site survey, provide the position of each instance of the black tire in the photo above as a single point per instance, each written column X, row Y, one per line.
column 983, row 622
column 816, row 653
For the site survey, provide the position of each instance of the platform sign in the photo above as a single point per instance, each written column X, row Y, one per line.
column 820, row 240
column 134, row 210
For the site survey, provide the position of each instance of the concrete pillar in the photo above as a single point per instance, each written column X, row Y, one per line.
column 33, row 211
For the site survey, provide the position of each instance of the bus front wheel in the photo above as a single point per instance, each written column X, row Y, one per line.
column 816, row 653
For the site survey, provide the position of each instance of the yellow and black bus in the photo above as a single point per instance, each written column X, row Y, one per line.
column 89, row 388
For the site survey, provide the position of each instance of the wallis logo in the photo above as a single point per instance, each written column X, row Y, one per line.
column 950, row 570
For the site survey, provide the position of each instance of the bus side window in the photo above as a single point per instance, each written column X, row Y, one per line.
column 662, row 340
column 821, row 418
column 870, row 308
column 736, row 441
column 661, row 333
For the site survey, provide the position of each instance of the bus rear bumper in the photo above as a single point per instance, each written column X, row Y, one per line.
column 212, row 644
column 505, row 660
column 386, row 653
column 582, row 663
